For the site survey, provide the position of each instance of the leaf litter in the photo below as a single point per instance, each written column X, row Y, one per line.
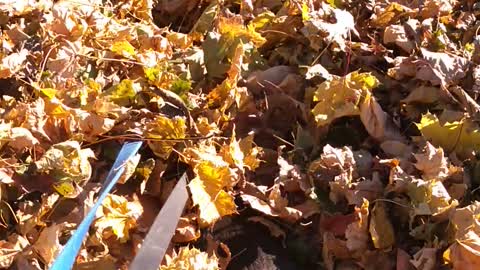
column 325, row 134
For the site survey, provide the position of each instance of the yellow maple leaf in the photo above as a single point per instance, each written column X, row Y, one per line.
column 124, row 92
column 342, row 96
column 166, row 129
column 241, row 153
column 262, row 20
column 123, row 48
column 250, row 152
column 190, row 259
column 226, row 93
column 233, row 29
column 117, row 216
column 461, row 137
column 388, row 15
column 208, row 191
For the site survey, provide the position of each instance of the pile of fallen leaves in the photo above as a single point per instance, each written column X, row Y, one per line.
column 347, row 129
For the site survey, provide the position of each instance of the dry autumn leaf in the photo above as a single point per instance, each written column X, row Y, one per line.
column 164, row 134
column 357, row 231
column 66, row 162
column 208, row 191
column 380, row 227
column 117, row 216
column 190, row 259
column 460, row 137
column 349, row 126
column 342, row 96
column 432, row 163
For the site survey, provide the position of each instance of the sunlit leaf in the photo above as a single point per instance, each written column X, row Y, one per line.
column 208, row 192
column 461, row 137
column 341, row 96
column 165, row 133
column 262, row 20
column 67, row 162
column 124, row 92
column 357, row 232
column 123, row 48
column 118, row 216
column 190, row 259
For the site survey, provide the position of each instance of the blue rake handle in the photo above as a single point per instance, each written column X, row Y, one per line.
column 67, row 257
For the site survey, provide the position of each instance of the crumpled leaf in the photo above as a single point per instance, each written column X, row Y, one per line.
column 432, row 163
column 187, row 230
column 464, row 251
column 337, row 166
column 21, row 139
column 461, row 137
column 425, row 259
column 335, row 32
column 432, row 8
column 91, row 125
column 437, row 68
column 140, row 9
column 291, row 176
column 12, row 63
column 117, row 216
column 342, row 96
column 384, row 17
column 190, row 259
column 48, row 245
column 431, row 198
column 66, row 162
column 377, row 122
column 278, row 209
column 130, row 169
column 165, row 134
column 9, row 249
column 357, row 231
column 396, row 34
